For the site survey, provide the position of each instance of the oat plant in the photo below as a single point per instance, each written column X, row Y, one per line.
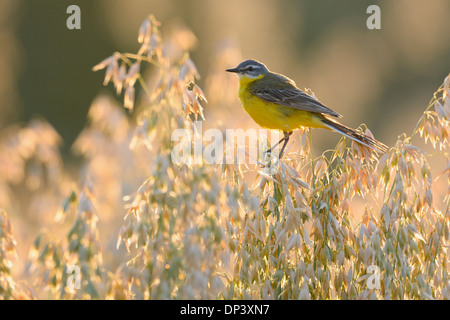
column 345, row 224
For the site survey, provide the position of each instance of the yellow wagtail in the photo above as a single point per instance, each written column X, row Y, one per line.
column 275, row 102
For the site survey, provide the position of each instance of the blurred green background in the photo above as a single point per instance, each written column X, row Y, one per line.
column 383, row 78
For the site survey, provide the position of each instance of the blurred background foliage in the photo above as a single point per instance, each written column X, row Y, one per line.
column 380, row 77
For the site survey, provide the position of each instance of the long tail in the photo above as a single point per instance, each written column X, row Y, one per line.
column 355, row 135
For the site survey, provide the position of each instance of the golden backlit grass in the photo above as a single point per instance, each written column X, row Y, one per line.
column 315, row 229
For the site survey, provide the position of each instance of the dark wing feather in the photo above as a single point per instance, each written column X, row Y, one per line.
column 289, row 96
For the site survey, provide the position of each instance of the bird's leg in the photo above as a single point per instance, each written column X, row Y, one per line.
column 275, row 145
column 286, row 139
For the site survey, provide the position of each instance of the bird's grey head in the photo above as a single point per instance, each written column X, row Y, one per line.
column 250, row 68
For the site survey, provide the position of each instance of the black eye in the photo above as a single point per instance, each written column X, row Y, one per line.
column 250, row 68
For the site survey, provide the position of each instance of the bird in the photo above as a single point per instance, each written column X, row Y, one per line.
column 275, row 102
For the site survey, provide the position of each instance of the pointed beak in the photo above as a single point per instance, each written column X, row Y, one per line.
column 235, row 70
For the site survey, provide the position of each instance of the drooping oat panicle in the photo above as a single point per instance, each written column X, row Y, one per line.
column 7, row 254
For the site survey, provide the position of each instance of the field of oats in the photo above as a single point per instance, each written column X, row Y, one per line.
column 344, row 224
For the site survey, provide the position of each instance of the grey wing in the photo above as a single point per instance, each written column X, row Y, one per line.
column 293, row 98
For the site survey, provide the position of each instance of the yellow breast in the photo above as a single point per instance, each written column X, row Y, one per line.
column 274, row 116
